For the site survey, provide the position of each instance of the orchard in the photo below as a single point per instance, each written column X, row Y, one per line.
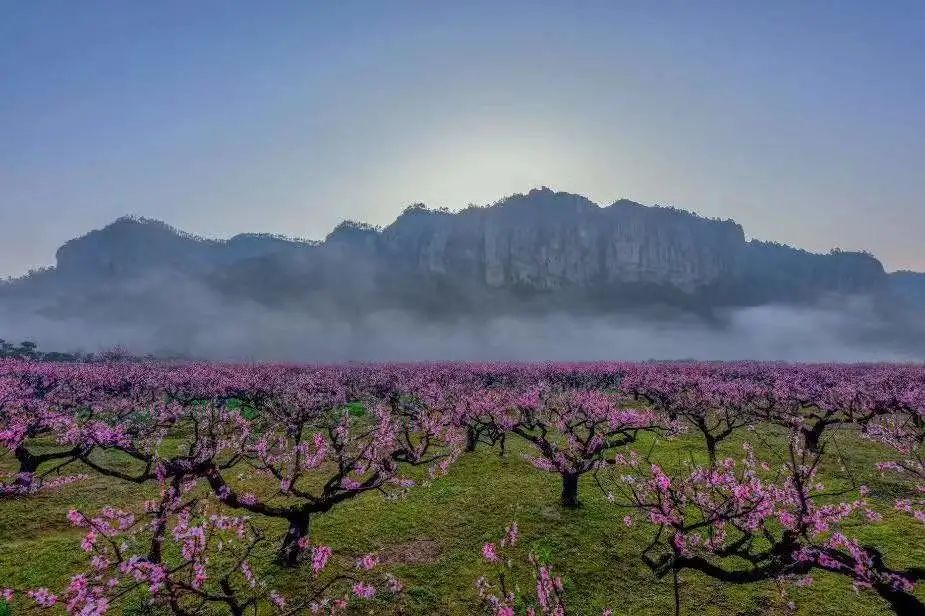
column 212, row 488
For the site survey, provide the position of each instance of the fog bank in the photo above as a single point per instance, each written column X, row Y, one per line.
column 196, row 324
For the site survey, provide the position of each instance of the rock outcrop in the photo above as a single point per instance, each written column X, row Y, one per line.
column 549, row 241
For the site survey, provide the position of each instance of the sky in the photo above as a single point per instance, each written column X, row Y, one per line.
column 802, row 121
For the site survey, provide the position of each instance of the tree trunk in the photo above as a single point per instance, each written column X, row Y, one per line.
column 711, row 449
column 290, row 550
column 28, row 464
column 812, row 436
column 155, row 555
column 902, row 603
column 570, row 490
column 708, row 439
column 472, row 439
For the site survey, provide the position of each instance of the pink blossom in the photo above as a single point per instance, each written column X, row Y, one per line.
column 364, row 591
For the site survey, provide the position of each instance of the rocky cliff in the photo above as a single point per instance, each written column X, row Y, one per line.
column 548, row 241
column 558, row 247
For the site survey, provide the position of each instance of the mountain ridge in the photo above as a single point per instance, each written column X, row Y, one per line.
column 544, row 273
column 538, row 244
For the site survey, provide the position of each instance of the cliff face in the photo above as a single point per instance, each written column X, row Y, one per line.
column 558, row 247
column 550, row 241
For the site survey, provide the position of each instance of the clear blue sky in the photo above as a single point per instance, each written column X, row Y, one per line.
column 803, row 121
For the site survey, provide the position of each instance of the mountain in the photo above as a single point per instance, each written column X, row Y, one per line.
column 535, row 253
column 542, row 244
column 908, row 287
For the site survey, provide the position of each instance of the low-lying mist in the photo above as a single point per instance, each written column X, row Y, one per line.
column 195, row 322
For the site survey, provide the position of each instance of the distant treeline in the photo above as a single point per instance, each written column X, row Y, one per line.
column 28, row 350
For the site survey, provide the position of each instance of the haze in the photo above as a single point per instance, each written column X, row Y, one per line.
column 802, row 121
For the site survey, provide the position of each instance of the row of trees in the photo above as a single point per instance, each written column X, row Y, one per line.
column 24, row 350
column 229, row 444
column 28, row 350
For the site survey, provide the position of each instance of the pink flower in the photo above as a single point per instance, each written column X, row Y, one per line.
column 277, row 599
column 367, row 562
column 88, row 541
column 364, row 591
column 488, row 553
column 394, row 584
column 199, row 577
column 510, row 537
column 320, row 556
column 75, row 517
column 247, row 498
column 43, row 597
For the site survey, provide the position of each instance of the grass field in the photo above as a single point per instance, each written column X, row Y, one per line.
column 431, row 539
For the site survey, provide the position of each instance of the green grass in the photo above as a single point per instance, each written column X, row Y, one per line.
column 431, row 539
